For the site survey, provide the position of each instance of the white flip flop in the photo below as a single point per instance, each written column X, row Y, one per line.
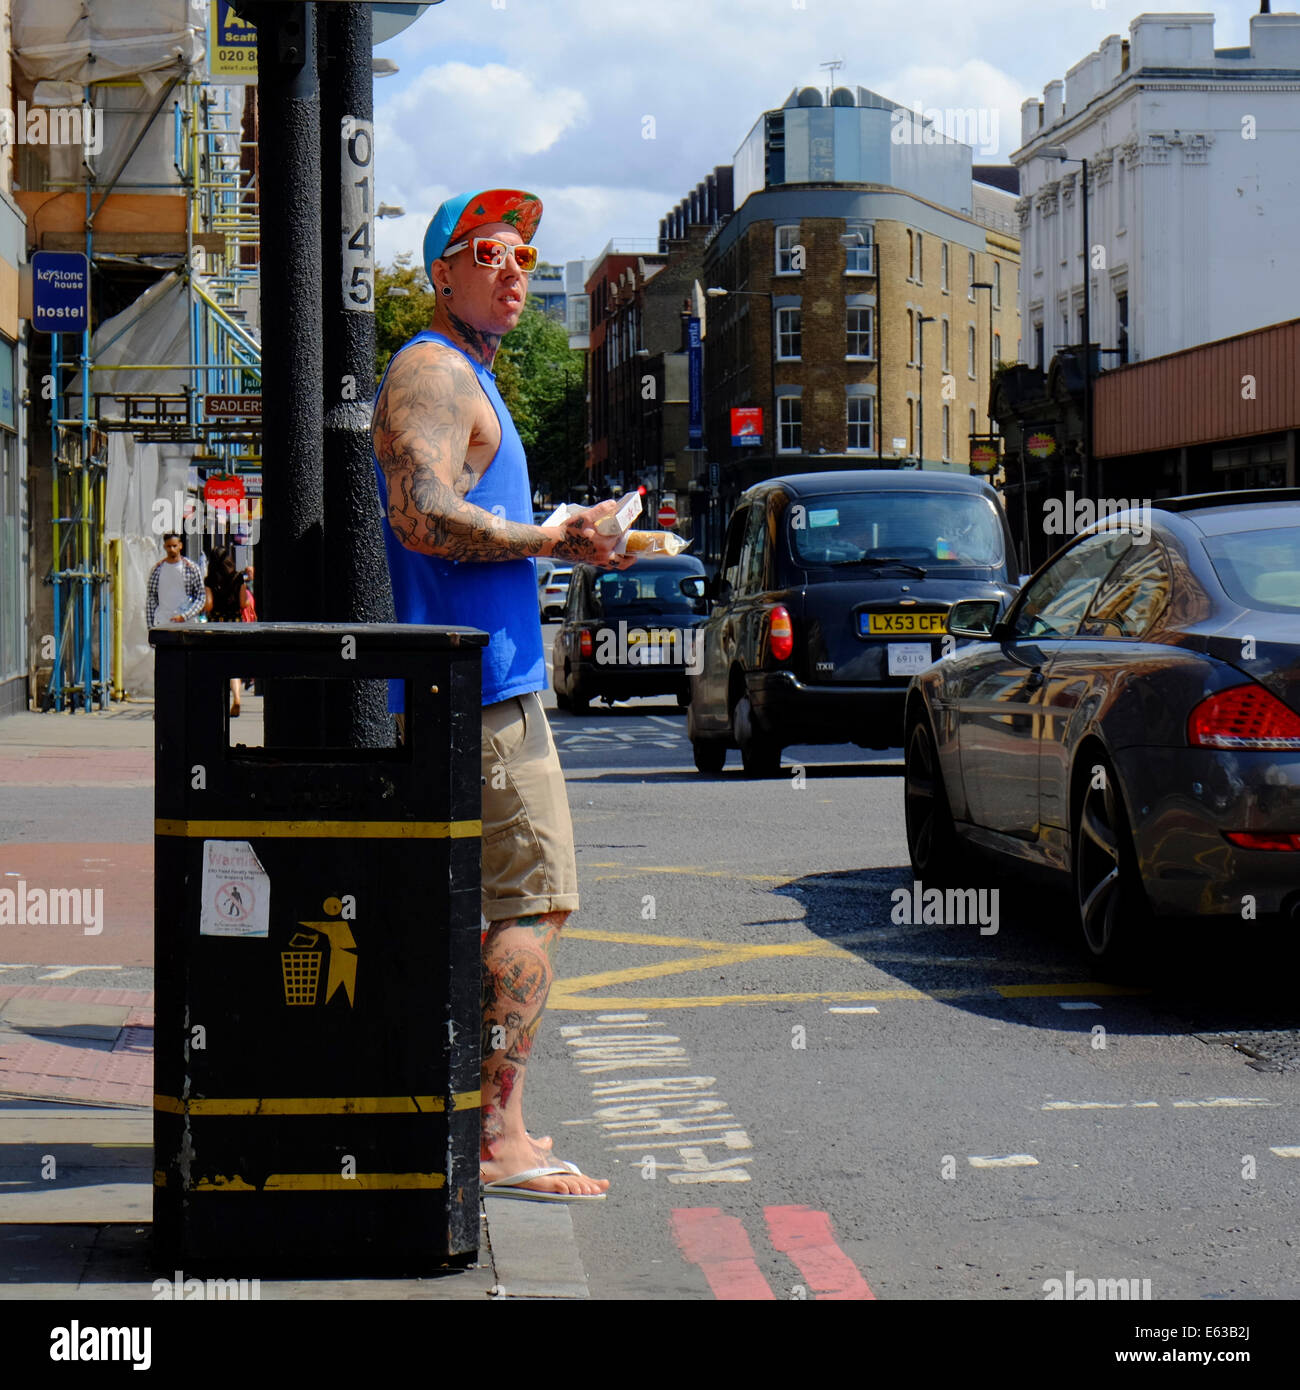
column 512, row 1186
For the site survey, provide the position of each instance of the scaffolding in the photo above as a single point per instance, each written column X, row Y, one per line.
column 216, row 170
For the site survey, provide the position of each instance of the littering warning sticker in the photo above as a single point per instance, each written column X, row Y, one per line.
column 236, row 891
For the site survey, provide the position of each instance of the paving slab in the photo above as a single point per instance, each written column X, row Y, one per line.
column 66, row 1019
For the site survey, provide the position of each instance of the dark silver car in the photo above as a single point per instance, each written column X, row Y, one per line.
column 1130, row 724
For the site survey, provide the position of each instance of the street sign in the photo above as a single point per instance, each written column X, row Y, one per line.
column 223, row 488
column 232, row 46
column 715, row 474
column 695, row 372
column 60, row 292
column 667, row 515
column 225, row 407
column 747, row 425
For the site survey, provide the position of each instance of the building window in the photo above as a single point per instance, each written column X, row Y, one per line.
column 972, row 420
column 997, row 284
column 580, row 313
column 790, row 414
column 943, row 267
column 1121, row 313
column 920, row 259
column 787, row 242
column 970, row 352
column 970, row 276
column 789, row 335
column 911, row 426
column 860, row 326
column 997, row 350
column 861, row 422
column 911, row 256
column 858, row 259
column 947, row 433
column 911, row 339
column 919, row 351
column 943, row 344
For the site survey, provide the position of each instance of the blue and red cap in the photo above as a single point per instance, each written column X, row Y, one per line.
column 461, row 214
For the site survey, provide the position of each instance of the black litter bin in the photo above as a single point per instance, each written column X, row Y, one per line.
column 317, row 960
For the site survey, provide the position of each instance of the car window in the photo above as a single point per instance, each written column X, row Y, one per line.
column 573, row 600
column 1053, row 605
column 647, row 591
column 1132, row 596
column 730, row 567
column 926, row 528
column 753, row 558
column 1259, row 569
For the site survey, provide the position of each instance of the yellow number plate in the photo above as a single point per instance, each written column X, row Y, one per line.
column 904, row 624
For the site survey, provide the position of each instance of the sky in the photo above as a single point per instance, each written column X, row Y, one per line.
column 612, row 110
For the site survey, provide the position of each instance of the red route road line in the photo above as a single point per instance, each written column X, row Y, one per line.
column 721, row 1248
column 806, row 1237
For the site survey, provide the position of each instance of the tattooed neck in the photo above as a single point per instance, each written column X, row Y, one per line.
column 481, row 346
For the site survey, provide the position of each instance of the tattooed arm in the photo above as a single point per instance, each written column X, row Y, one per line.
column 421, row 432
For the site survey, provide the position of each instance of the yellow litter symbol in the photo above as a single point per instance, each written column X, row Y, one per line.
column 301, row 963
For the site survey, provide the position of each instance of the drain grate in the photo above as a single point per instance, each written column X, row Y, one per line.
column 1278, row 1050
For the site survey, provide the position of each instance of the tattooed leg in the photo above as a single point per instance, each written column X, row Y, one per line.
column 517, row 975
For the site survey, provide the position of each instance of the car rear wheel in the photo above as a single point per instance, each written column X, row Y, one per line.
column 579, row 699
column 710, row 755
column 1109, row 898
column 932, row 839
column 760, row 754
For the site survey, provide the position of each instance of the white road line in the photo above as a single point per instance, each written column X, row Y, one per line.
column 1073, row 1004
column 1223, row 1103
column 1287, row 1151
column 1007, row 1161
column 868, row 1009
column 621, row 1018
column 1086, row 1105
column 673, row 724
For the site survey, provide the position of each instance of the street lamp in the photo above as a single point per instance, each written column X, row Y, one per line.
column 988, row 285
column 1058, row 152
column 921, row 321
column 717, row 292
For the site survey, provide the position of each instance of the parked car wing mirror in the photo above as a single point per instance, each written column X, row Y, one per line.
column 974, row 617
column 694, row 586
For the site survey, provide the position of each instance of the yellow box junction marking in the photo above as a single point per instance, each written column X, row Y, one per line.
column 576, row 993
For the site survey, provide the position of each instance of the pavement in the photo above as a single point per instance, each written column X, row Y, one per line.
column 77, row 1043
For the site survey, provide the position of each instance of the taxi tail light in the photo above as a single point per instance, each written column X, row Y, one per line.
column 585, row 645
column 1245, row 716
column 780, row 633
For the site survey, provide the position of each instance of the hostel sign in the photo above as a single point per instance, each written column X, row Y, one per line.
column 60, row 292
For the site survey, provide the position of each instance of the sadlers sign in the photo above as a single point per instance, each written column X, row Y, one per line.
column 232, row 407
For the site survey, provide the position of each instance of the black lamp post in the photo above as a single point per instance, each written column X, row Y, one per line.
column 717, row 292
column 988, row 285
column 921, row 321
column 1058, row 152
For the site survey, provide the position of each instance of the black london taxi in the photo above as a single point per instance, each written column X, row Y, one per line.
column 833, row 591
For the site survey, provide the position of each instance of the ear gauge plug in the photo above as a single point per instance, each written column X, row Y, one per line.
column 446, row 289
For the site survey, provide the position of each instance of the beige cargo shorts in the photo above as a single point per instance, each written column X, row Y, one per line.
column 528, row 859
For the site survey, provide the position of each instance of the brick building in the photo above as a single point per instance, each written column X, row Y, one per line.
column 855, row 224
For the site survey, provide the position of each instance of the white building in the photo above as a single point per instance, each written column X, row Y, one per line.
column 1193, row 184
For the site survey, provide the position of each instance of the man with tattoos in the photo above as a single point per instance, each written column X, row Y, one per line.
column 453, row 483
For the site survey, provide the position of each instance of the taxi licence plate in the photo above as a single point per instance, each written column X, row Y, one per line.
column 901, row 624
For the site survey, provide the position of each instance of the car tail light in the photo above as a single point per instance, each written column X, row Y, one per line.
column 1262, row 839
column 780, row 633
column 585, row 645
column 1247, row 716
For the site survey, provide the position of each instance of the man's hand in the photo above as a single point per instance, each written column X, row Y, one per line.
column 178, row 617
column 578, row 539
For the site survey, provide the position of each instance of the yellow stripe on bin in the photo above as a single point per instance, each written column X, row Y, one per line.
column 320, row 829
column 316, row 1105
column 327, row 1182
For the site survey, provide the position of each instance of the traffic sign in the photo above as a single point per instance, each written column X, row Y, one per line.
column 60, row 291
column 667, row 515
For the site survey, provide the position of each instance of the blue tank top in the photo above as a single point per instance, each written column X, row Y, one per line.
column 497, row 596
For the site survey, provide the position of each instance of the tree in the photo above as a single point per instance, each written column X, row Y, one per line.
column 399, row 317
column 539, row 376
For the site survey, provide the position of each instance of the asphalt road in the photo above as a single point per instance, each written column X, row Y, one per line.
column 842, row 1104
